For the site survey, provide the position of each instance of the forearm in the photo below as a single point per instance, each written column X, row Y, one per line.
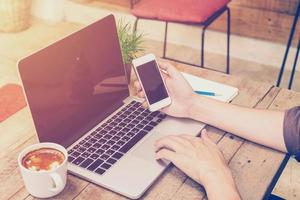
column 260, row 126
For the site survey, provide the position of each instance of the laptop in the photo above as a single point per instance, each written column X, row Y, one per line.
column 78, row 96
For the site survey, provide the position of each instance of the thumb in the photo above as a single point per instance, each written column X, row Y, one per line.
column 172, row 71
column 206, row 138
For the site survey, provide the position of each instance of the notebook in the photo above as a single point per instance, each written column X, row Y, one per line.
column 226, row 92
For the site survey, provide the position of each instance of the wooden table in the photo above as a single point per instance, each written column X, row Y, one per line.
column 253, row 166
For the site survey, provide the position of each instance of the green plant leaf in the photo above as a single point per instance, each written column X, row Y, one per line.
column 131, row 41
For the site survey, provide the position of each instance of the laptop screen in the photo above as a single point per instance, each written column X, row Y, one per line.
column 75, row 83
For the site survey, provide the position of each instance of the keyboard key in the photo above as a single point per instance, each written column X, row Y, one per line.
column 125, row 129
column 85, row 154
column 105, row 166
column 136, row 104
column 139, row 126
column 134, row 130
column 115, row 138
column 137, row 113
column 100, row 151
column 94, row 156
column 110, row 152
column 105, row 147
column 140, row 118
column 98, row 136
column 78, row 160
column 86, row 163
column 82, row 141
column 127, row 120
column 108, row 128
column 87, row 145
column 135, row 121
column 122, row 124
column 145, row 122
column 155, row 113
column 104, row 125
column 162, row 116
column 70, row 158
column 93, row 133
column 120, row 143
column 115, row 147
column 102, row 141
column 133, row 141
column 70, row 151
column 121, row 134
column 75, row 154
column 81, row 149
column 112, row 132
column 117, row 155
column 123, row 116
column 113, row 123
column 153, row 123
column 100, row 171
column 148, row 128
column 107, row 137
column 118, row 120
column 118, row 128
column 141, row 109
column 110, row 142
column 149, row 118
column 88, row 137
column 91, row 150
column 104, row 157
column 130, row 134
column 130, row 126
column 103, row 132
column 158, row 120
column 131, row 117
column 95, row 164
column 109, row 121
column 111, row 161
column 97, row 145
column 125, row 138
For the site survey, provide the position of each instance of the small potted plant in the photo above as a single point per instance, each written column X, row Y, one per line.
column 14, row 15
column 131, row 44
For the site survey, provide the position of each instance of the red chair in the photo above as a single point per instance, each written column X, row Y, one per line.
column 195, row 12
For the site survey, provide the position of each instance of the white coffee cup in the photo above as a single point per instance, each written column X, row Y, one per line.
column 44, row 184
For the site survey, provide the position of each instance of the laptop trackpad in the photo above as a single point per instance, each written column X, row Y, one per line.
column 146, row 149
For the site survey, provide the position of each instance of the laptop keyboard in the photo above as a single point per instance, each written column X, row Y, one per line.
column 108, row 143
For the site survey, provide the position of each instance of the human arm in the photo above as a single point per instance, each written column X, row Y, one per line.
column 261, row 126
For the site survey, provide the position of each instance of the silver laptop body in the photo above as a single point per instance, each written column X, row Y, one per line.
column 77, row 86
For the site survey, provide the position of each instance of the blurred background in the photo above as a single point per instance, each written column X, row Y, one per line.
column 259, row 33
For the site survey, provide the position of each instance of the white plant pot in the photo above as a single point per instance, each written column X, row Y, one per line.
column 51, row 10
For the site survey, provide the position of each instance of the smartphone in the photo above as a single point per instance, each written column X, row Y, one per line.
column 152, row 81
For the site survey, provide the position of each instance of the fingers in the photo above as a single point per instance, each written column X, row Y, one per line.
column 141, row 94
column 206, row 138
column 145, row 104
column 172, row 143
column 166, row 154
column 172, row 71
column 137, row 86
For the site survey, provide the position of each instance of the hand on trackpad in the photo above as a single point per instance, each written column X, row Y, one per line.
column 146, row 149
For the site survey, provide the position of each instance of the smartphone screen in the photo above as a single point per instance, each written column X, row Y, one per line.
column 152, row 82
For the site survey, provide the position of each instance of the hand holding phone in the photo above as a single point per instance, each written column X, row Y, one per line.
column 152, row 82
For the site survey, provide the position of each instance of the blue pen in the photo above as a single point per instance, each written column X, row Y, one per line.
column 207, row 93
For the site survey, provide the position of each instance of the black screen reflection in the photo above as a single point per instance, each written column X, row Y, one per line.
column 75, row 83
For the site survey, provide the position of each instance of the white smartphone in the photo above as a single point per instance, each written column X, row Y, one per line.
column 152, row 81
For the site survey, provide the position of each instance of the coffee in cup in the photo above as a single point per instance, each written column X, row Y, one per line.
column 43, row 159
